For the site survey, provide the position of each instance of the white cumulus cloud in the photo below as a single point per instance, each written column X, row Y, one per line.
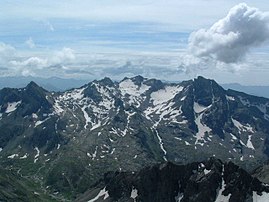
column 63, row 56
column 230, row 39
column 35, row 62
column 6, row 52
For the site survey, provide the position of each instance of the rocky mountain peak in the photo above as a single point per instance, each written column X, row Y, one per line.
column 137, row 80
column 207, row 91
column 32, row 84
column 106, row 82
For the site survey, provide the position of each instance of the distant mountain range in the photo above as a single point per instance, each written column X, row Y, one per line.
column 60, row 84
column 51, row 84
column 262, row 91
column 66, row 141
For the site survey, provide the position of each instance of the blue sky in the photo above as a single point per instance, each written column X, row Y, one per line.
column 117, row 38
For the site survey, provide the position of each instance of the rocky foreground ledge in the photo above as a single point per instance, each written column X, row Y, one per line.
column 207, row 181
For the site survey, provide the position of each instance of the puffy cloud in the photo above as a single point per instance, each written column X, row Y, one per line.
column 6, row 52
column 63, row 56
column 35, row 62
column 58, row 59
column 52, row 63
column 30, row 43
column 229, row 39
column 27, row 72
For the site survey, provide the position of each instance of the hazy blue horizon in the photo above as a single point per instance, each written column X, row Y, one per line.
column 91, row 40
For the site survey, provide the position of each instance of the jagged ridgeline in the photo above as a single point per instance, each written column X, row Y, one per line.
column 67, row 141
column 208, row 181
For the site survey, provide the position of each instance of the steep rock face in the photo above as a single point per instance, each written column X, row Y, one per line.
column 22, row 110
column 262, row 172
column 30, row 99
column 208, row 181
column 70, row 139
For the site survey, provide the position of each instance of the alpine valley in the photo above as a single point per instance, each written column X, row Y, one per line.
column 135, row 140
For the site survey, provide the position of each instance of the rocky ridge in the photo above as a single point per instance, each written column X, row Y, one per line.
column 207, row 181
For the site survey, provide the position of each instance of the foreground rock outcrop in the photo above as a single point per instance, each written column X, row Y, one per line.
column 208, row 181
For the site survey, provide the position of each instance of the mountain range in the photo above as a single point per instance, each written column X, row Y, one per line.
column 64, row 142
column 51, row 83
column 60, row 84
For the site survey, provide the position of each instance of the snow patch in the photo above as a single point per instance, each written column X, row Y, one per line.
column 206, row 171
column 41, row 122
column 241, row 127
column 161, row 144
column 260, row 198
column 113, row 150
column 183, row 98
column 187, row 143
column 220, row 197
column 107, row 102
column 197, row 108
column 88, row 119
column 96, row 125
column 233, row 136
column 179, row 197
column 202, row 129
column 37, row 154
column 86, row 116
column 230, row 98
column 166, row 112
column 166, row 94
column 129, row 87
column 93, row 156
column 128, row 122
column 76, row 94
column 134, row 193
column 34, row 116
column 24, row 157
column 103, row 193
column 249, row 143
column 57, row 107
column 12, row 106
column 12, row 156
